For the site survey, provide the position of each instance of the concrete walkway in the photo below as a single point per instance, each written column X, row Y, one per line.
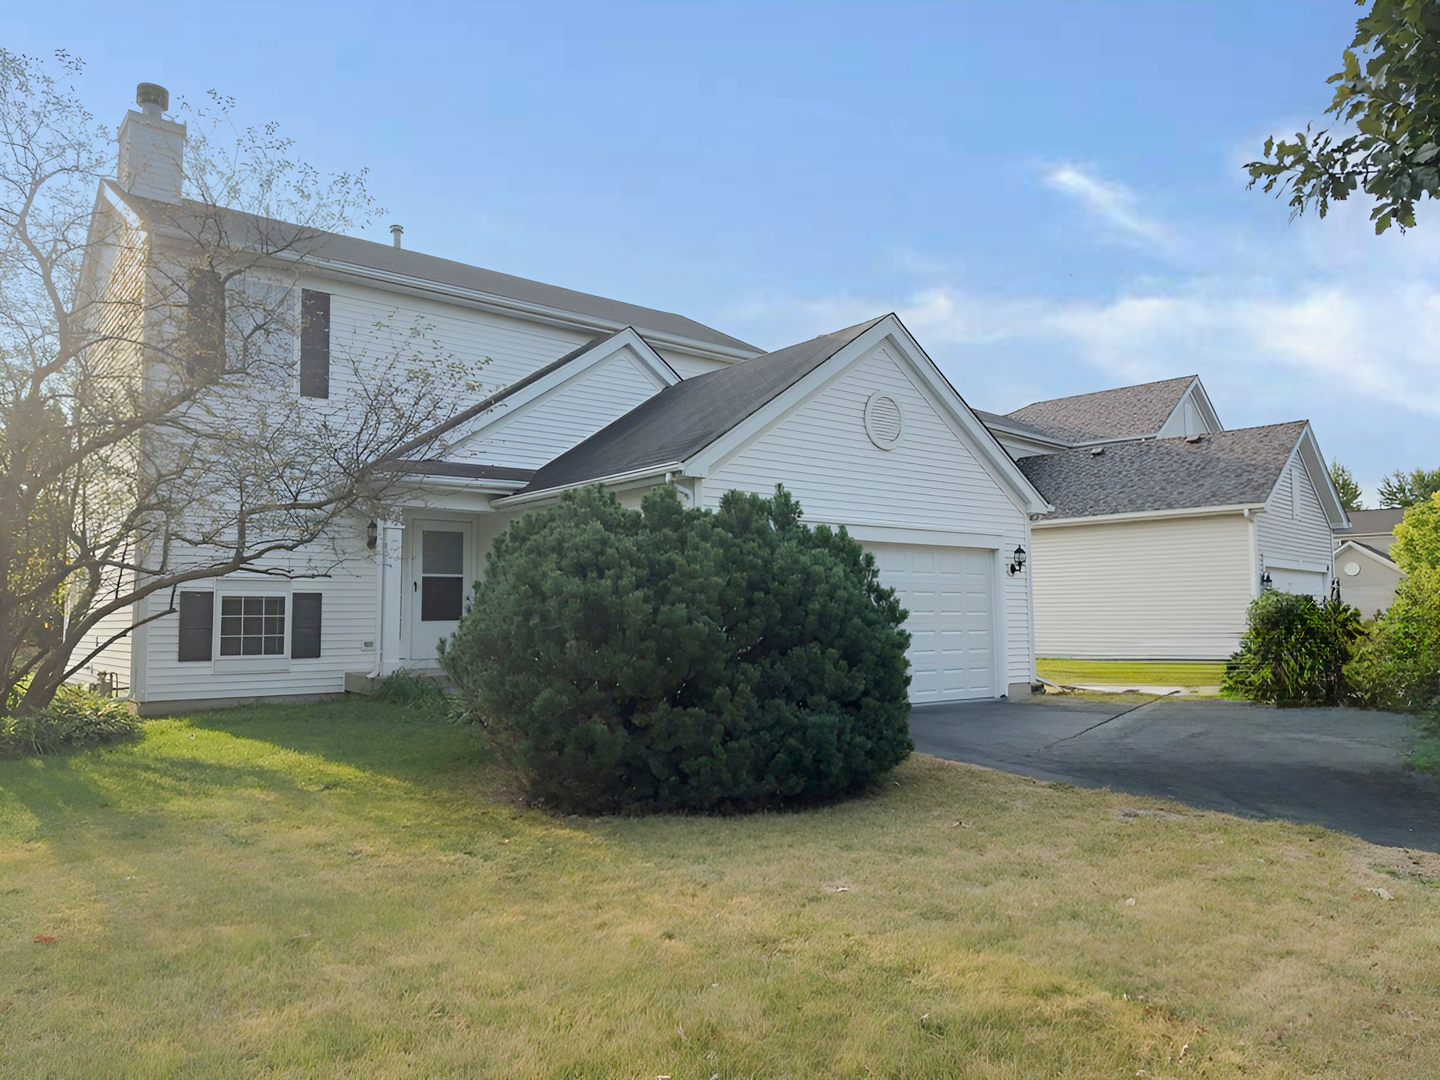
column 1342, row 768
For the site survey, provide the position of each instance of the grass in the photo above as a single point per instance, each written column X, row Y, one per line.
column 1186, row 673
column 342, row 891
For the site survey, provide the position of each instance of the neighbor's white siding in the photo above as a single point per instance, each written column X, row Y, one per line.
column 1371, row 590
column 1303, row 542
column 930, row 480
column 1171, row 588
column 541, row 430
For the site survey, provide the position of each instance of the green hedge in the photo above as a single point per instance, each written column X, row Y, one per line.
column 679, row 659
column 1294, row 651
column 1398, row 665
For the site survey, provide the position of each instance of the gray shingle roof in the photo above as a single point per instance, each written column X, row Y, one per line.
column 390, row 259
column 1106, row 414
column 687, row 417
column 990, row 420
column 1375, row 521
column 1225, row 468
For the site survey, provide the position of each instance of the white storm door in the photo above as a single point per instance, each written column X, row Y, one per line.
column 441, row 570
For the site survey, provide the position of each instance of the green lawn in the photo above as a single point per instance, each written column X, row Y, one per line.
column 1187, row 673
column 343, row 891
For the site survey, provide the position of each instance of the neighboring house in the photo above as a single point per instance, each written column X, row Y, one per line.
column 1165, row 525
column 859, row 424
column 1367, row 575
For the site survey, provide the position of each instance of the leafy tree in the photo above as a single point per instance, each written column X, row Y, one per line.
column 1397, row 665
column 1407, row 489
column 136, row 456
column 679, row 659
column 1388, row 91
column 1417, row 537
column 1346, row 487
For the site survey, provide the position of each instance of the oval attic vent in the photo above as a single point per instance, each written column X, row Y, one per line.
column 884, row 422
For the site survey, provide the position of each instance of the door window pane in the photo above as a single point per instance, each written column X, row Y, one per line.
column 442, row 552
column 441, row 598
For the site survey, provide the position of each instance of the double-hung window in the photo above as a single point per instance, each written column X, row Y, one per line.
column 252, row 626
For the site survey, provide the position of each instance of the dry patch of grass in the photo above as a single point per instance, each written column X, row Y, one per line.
column 338, row 891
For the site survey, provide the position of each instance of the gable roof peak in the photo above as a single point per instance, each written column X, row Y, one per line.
column 1120, row 412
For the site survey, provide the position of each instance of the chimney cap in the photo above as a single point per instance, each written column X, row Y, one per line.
column 149, row 94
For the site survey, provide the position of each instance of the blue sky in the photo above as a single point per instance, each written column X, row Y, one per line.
column 1050, row 194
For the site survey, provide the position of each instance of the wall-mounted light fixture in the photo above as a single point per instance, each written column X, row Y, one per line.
column 1266, row 581
column 372, row 534
column 1017, row 562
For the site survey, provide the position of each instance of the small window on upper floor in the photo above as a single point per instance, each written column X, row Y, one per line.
column 205, row 324
column 314, row 344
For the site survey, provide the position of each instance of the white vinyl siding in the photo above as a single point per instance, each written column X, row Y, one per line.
column 1372, row 590
column 931, row 479
column 687, row 366
column 1172, row 588
column 1293, row 532
column 542, row 430
column 348, row 623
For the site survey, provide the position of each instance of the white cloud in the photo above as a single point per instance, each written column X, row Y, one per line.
column 1110, row 201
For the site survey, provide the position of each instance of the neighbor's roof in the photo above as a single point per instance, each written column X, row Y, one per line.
column 1128, row 411
column 1224, row 468
column 390, row 259
column 991, row 420
column 685, row 418
column 1375, row 521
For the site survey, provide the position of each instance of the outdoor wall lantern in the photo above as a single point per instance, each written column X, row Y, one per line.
column 372, row 533
column 1018, row 562
column 1266, row 581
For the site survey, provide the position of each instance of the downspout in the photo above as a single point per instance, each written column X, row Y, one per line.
column 374, row 672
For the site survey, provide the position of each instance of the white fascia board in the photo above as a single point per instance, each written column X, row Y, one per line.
column 515, row 405
column 991, row 454
column 1360, row 549
column 1149, row 515
column 645, row 473
column 1308, row 566
column 898, row 534
column 508, row 306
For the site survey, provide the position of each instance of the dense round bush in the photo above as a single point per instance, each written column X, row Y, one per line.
column 1294, row 650
column 680, row 659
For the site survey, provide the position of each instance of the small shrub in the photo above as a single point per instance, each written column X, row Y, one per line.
column 1294, row 651
column 1397, row 666
column 679, row 659
column 412, row 691
column 75, row 718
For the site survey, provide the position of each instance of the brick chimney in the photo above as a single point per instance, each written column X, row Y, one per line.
column 152, row 149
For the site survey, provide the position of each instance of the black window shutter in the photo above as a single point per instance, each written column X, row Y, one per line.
column 314, row 344
column 205, row 323
column 305, row 626
column 197, row 623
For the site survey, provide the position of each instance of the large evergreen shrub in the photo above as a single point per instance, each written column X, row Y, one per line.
column 1294, row 651
column 679, row 659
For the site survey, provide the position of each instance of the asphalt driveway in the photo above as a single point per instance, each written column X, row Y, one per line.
column 1342, row 768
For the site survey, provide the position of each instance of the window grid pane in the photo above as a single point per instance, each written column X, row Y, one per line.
column 252, row 626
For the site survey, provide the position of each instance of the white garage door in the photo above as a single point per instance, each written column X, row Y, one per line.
column 1299, row 582
column 949, row 593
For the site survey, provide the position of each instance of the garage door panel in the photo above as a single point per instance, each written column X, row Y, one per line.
column 952, row 621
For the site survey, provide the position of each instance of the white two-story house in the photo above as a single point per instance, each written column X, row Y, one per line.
column 578, row 389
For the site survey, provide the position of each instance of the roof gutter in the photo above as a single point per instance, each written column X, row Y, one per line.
column 644, row 473
column 1150, row 515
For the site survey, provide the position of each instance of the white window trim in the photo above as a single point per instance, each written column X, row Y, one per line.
column 255, row 587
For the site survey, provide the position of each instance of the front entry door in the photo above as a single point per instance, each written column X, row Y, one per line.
column 440, row 574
